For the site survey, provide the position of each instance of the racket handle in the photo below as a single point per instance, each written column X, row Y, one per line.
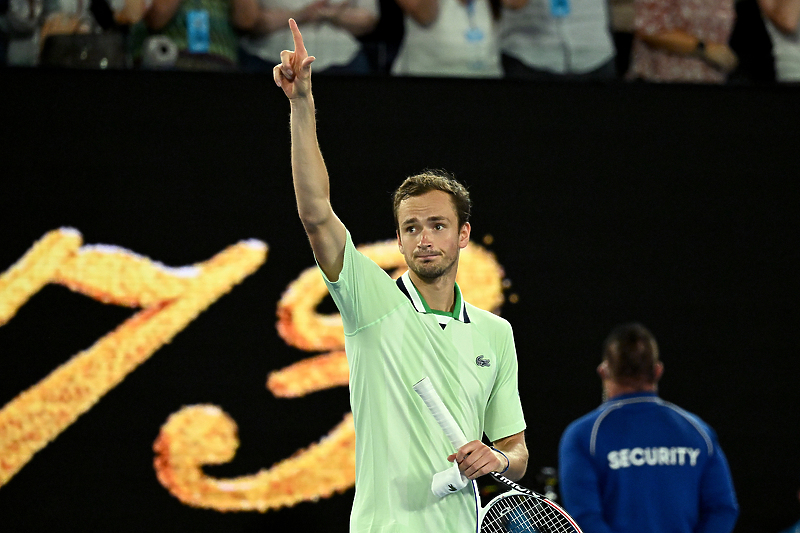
column 425, row 389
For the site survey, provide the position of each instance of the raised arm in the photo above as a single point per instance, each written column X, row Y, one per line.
column 325, row 231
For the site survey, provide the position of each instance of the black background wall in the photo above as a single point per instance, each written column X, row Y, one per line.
column 670, row 205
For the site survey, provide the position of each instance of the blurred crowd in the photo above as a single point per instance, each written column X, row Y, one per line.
column 694, row 41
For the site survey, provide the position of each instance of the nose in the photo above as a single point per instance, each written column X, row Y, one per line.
column 425, row 239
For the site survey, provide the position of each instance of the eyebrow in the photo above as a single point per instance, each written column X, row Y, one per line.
column 434, row 218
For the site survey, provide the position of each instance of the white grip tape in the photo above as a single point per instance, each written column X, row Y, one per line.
column 450, row 480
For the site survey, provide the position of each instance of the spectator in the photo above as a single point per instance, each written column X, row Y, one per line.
column 449, row 38
column 781, row 18
column 21, row 23
column 202, row 32
column 72, row 37
column 330, row 26
column 128, row 12
column 556, row 39
column 683, row 41
column 637, row 463
column 30, row 23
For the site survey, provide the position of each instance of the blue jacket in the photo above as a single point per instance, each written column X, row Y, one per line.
column 794, row 529
column 639, row 464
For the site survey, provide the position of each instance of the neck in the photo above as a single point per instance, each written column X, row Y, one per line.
column 612, row 389
column 439, row 293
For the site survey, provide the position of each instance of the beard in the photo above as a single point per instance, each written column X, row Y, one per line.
column 431, row 271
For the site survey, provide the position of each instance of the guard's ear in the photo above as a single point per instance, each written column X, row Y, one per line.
column 602, row 370
column 659, row 371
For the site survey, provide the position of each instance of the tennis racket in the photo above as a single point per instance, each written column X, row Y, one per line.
column 519, row 510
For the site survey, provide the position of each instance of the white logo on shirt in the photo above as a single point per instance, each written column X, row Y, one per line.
column 676, row 455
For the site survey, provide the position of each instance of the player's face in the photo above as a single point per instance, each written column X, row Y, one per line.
column 429, row 236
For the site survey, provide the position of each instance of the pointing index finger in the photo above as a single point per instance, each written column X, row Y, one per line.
column 298, row 39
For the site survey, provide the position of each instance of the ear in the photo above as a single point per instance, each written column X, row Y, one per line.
column 463, row 235
column 659, row 371
column 602, row 370
column 399, row 241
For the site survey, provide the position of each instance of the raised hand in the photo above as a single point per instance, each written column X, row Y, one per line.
column 293, row 75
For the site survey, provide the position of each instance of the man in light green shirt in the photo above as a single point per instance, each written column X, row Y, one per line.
column 397, row 332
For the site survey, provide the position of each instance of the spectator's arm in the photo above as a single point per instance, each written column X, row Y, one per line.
column 160, row 13
column 356, row 20
column 784, row 14
column 423, row 12
column 719, row 55
column 244, row 14
column 674, row 41
column 514, row 4
column 131, row 12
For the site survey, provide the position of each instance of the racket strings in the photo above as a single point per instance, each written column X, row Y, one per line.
column 520, row 513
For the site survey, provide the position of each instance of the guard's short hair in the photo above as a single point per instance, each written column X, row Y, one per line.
column 434, row 180
column 631, row 353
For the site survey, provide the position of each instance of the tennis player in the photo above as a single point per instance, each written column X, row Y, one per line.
column 397, row 332
column 638, row 463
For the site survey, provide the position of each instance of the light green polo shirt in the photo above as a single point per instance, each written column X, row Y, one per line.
column 392, row 341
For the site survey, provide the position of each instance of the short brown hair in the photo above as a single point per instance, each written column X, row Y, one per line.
column 434, row 180
column 631, row 353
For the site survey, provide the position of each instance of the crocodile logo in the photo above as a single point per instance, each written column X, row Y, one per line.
column 481, row 361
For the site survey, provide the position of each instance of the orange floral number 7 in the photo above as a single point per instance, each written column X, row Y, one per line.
column 170, row 299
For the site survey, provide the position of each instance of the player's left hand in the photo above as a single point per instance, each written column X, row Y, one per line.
column 475, row 459
column 293, row 74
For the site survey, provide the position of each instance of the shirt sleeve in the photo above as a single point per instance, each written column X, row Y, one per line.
column 578, row 482
column 504, row 416
column 363, row 292
column 718, row 506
